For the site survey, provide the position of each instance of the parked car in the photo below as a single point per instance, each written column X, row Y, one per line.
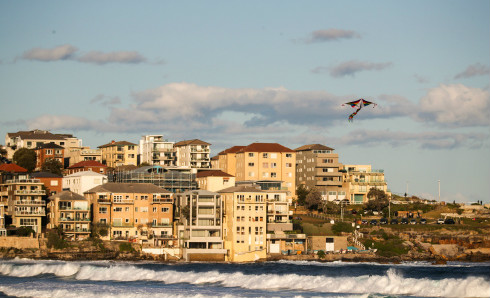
column 394, row 221
column 440, row 221
column 423, row 221
column 413, row 222
column 404, row 221
column 373, row 222
column 449, row 221
column 383, row 221
column 364, row 222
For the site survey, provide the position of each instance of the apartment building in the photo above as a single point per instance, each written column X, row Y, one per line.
column 87, row 165
column 227, row 160
column 51, row 181
column 9, row 171
column 132, row 210
column 214, row 180
column 35, row 138
column 244, row 223
column 81, row 182
column 200, row 226
column 267, row 162
column 155, row 150
column 78, row 154
column 359, row 179
column 121, row 153
column 317, row 166
column 48, row 151
column 3, row 231
column 71, row 212
column 24, row 200
column 193, row 153
column 278, row 213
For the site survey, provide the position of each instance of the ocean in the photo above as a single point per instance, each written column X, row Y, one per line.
column 84, row 279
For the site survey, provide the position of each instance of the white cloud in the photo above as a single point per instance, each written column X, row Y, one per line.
column 332, row 35
column 456, row 105
column 54, row 122
column 351, row 68
column 112, row 57
column 477, row 69
column 63, row 52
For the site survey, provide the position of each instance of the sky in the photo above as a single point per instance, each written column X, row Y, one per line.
column 237, row 72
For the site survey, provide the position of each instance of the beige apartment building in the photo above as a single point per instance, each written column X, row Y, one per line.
column 35, row 138
column 200, row 226
column 267, row 162
column 245, row 223
column 132, row 210
column 3, row 231
column 227, row 160
column 71, row 212
column 121, row 153
column 317, row 166
column 193, row 153
column 359, row 179
column 214, row 180
column 24, row 200
column 78, row 154
column 155, row 150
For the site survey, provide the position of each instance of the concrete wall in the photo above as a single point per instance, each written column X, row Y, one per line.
column 19, row 242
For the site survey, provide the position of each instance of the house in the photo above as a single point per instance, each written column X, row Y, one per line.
column 119, row 153
column 244, row 223
column 71, row 212
column 9, row 171
column 49, row 151
column 214, row 180
column 35, row 138
column 280, row 243
column 51, row 181
column 78, row 154
column 155, row 150
column 318, row 167
column 193, row 153
column 359, row 179
column 80, row 182
column 200, row 225
column 87, row 165
column 227, row 160
column 132, row 210
column 327, row 243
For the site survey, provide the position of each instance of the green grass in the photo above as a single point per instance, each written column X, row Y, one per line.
column 317, row 230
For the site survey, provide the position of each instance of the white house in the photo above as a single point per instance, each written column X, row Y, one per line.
column 80, row 182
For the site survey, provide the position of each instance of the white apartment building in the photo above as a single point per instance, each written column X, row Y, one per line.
column 193, row 153
column 155, row 150
column 80, row 182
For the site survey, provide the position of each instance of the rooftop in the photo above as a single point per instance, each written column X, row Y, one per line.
column 148, row 188
column 114, row 143
column 191, row 142
column 12, row 168
column 212, row 173
column 313, row 147
column 265, row 147
column 87, row 163
column 67, row 195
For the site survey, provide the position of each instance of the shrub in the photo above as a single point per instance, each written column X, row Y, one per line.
column 24, row 231
column 321, row 254
column 125, row 247
column 56, row 241
column 339, row 227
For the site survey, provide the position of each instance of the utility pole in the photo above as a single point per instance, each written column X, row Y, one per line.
column 439, row 186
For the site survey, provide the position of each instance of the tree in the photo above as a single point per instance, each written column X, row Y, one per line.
column 377, row 199
column 25, row 158
column 53, row 166
column 301, row 193
column 313, row 200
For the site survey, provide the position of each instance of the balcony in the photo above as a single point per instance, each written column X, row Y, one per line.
column 123, row 201
column 30, row 213
column 122, row 225
column 64, row 219
column 30, row 202
column 162, row 201
column 19, row 181
column 76, row 230
column 104, row 201
column 74, row 209
column 30, row 192
column 329, row 183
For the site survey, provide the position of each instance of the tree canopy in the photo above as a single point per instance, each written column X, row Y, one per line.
column 25, row 158
column 302, row 192
column 53, row 166
column 313, row 200
column 378, row 199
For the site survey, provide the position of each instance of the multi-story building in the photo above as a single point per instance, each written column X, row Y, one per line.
column 155, row 150
column 244, row 223
column 214, row 180
column 24, row 200
column 48, row 151
column 78, row 154
column 120, row 153
column 3, row 231
column 193, row 153
column 71, row 212
column 227, row 160
column 51, row 181
column 278, row 213
column 359, row 179
column 200, row 230
column 270, row 162
column 132, row 210
column 80, row 182
column 317, row 166
column 35, row 138
column 9, row 171
column 87, row 165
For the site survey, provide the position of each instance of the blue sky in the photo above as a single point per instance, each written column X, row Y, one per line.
column 235, row 72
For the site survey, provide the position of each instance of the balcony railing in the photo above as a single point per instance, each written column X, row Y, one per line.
column 76, row 230
column 74, row 209
column 122, row 224
column 159, row 201
column 23, row 181
column 23, row 212
column 74, row 219
column 123, row 201
column 30, row 192
column 30, row 202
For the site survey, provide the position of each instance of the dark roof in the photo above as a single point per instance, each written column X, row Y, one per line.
column 12, row 168
column 45, row 175
column 87, row 163
column 212, row 173
column 265, row 147
column 50, row 145
column 233, row 149
column 67, row 195
column 313, row 147
column 113, row 143
column 190, row 142
column 38, row 135
column 241, row 188
column 128, row 188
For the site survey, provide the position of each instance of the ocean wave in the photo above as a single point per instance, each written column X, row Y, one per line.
column 391, row 283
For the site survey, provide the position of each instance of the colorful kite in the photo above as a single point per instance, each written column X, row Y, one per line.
column 359, row 104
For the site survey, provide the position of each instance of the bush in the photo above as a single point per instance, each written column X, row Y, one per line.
column 388, row 248
column 56, row 241
column 126, row 247
column 24, row 231
column 321, row 254
column 342, row 227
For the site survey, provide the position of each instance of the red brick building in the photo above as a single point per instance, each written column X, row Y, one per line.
column 49, row 151
column 51, row 181
column 87, row 165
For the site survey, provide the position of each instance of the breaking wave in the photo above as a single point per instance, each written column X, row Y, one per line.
column 391, row 283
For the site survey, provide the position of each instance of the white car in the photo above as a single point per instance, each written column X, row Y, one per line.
column 440, row 221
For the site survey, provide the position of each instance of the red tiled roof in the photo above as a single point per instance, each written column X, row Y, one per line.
column 233, row 149
column 113, row 143
column 265, row 147
column 87, row 163
column 12, row 168
column 212, row 173
column 190, row 142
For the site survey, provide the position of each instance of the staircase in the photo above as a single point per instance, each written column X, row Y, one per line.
column 355, row 239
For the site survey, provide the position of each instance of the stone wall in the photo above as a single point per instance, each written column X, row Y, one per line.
column 19, row 242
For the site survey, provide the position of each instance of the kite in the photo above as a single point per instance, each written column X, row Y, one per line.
column 359, row 104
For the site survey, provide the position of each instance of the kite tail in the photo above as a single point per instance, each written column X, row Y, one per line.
column 351, row 116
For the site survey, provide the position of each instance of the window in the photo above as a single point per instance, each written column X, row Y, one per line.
column 117, row 199
column 251, row 174
column 103, row 220
column 154, row 209
column 265, row 174
column 265, row 155
column 130, row 147
column 117, row 209
column 165, row 209
column 251, row 164
column 273, row 175
column 327, row 160
column 49, row 152
column 103, row 210
column 54, row 182
column 289, row 165
column 144, row 209
column 250, row 154
column 273, row 165
column 265, row 165
column 289, row 155
column 273, row 155
column 126, row 209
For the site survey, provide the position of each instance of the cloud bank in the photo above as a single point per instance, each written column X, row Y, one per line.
column 477, row 69
column 350, row 68
column 331, row 35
